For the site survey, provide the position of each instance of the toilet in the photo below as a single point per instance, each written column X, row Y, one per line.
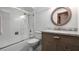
column 33, row 41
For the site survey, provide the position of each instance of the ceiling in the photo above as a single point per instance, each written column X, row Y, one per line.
column 39, row 9
column 29, row 10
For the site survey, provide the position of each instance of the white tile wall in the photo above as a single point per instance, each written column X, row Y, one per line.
column 11, row 23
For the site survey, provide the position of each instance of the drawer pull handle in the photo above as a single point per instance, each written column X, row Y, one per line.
column 56, row 37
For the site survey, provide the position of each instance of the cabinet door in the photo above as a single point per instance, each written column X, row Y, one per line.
column 48, row 43
column 60, row 44
column 71, row 43
column 65, row 42
column 75, row 44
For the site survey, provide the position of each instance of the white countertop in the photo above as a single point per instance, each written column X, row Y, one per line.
column 75, row 33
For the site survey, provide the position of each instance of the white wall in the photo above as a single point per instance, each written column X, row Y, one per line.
column 31, row 25
column 78, row 19
column 13, row 22
column 43, row 19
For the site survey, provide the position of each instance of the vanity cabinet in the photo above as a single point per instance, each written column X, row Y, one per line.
column 59, row 42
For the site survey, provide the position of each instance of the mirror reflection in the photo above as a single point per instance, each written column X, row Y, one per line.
column 61, row 15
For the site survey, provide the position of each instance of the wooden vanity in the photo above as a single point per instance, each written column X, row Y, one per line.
column 59, row 42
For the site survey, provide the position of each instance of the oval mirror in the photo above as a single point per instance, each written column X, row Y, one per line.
column 61, row 16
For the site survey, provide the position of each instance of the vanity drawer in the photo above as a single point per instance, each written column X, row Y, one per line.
column 46, row 35
column 59, row 36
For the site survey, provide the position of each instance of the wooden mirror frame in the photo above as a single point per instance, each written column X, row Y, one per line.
column 68, row 19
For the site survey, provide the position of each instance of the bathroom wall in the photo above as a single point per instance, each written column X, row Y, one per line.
column 78, row 19
column 43, row 19
column 31, row 25
column 13, row 21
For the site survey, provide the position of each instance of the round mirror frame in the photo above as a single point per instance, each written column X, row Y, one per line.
column 69, row 15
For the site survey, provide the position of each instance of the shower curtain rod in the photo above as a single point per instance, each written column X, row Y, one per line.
column 25, row 11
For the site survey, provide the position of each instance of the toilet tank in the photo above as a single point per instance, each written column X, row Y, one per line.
column 38, row 34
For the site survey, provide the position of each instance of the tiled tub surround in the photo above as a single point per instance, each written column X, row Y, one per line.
column 13, row 41
column 20, row 43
